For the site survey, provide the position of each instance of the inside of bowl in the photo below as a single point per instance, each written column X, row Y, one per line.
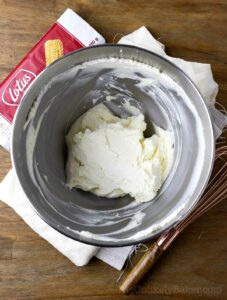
column 66, row 97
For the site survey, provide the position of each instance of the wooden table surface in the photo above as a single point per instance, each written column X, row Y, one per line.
column 196, row 266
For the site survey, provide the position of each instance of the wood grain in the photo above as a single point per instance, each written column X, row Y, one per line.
column 196, row 266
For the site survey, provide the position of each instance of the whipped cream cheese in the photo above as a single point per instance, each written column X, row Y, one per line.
column 110, row 156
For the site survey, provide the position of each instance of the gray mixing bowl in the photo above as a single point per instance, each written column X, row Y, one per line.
column 69, row 87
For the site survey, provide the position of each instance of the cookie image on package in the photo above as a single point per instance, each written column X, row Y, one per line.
column 53, row 50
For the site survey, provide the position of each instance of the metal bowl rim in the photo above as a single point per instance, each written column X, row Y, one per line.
column 107, row 243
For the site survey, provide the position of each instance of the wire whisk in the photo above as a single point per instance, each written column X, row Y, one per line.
column 215, row 192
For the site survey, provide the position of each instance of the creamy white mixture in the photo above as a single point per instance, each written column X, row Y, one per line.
column 110, row 156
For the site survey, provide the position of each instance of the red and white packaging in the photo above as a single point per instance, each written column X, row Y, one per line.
column 73, row 33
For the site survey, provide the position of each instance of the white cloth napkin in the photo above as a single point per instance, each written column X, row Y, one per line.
column 12, row 194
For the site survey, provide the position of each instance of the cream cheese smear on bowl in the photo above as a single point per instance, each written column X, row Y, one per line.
column 110, row 157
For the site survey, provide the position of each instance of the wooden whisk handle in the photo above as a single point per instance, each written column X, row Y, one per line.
column 142, row 267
